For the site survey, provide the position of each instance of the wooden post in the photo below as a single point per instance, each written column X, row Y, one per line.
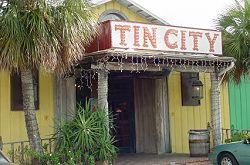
column 216, row 109
column 162, row 118
column 65, row 99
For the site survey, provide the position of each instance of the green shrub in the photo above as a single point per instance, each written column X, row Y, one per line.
column 83, row 140
column 237, row 136
column 87, row 134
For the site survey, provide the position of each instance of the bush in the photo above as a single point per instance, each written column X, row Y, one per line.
column 83, row 140
column 237, row 136
column 86, row 137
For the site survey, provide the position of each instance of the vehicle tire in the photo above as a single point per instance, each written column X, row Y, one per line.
column 227, row 159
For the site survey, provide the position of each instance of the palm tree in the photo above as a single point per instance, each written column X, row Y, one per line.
column 42, row 33
column 235, row 25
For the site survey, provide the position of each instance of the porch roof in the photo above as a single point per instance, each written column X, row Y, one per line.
column 135, row 60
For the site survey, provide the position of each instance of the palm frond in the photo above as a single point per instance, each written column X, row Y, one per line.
column 235, row 25
column 35, row 33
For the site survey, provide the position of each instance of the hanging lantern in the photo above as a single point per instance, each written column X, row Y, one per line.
column 197, row 89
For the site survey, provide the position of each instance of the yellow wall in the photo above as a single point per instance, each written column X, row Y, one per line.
column 184, row 118
column 115, row 5
column 225, row 107
column 12, row 124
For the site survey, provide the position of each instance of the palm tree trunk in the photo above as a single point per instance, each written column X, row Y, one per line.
column 102, row 99
column 29, row 111
column 103, row 90
column 216, row 109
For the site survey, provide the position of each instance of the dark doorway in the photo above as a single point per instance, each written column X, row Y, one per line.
column 121, row 104
column 83, row 93
column 86, row 90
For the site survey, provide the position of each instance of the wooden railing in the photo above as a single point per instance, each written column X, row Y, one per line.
column 227, row 133
column 18, row 148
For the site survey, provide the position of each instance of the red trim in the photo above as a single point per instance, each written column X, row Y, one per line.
column 103, row 40
column 110, row 32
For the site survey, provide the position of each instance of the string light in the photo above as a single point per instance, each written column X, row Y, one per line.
column 142, row 62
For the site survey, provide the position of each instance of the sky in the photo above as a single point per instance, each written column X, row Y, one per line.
column 188, row 13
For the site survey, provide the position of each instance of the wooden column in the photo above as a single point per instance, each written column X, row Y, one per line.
column 65, row 98
column 162, row 116
column 216, row 109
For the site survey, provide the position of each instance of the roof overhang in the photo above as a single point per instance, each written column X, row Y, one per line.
column 115, row 59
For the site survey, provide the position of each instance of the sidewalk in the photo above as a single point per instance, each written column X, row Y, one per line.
column 163, row 159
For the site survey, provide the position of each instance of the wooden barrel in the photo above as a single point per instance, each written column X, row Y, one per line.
column 199, row 142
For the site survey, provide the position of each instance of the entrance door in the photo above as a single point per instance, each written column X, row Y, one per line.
column 121, row 104
column 151, row 116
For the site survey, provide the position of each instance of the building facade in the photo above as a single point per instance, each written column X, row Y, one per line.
column 152, row 115
column 179, row 118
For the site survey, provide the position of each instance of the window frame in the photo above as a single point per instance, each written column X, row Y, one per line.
column 15, row 77
column 114, row 12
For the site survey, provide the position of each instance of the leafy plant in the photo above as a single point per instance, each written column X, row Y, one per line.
column 86, row 129
column 83, row 140
column 87, row 133
column 237, row 136
column 105, row 151
column 234, row 23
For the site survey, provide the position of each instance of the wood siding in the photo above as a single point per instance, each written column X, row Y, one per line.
column 65, row 99
column 151, row 116
column 184, row 118
column 239, row 104
column 145, row 116
column 12, row 124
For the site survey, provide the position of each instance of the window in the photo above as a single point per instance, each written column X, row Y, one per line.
column 16, row 91
column 112, row 15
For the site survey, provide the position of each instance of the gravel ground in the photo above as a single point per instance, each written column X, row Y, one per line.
column 163, row 159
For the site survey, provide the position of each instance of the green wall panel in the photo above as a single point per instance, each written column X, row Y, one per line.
column 239, row 102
